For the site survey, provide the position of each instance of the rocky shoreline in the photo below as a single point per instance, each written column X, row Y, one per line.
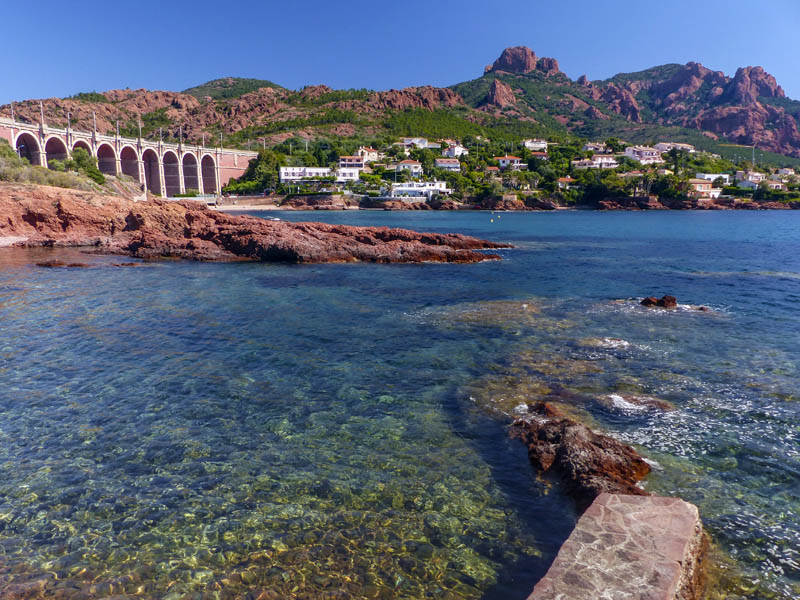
column 45, row 216
column 627, row 543
column 508, row 202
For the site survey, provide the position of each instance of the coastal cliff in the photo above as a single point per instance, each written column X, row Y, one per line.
column 45, row 216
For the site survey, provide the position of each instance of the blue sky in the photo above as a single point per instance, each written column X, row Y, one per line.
column 56, row 48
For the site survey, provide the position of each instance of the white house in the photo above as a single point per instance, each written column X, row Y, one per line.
column 368, row 155
column 565, row 183
column 347, row 174
column 419, row 189
column 753, row 176
column 726, row 178
column 596, row 147
column 667, row 146
column 448, row 164
column 413, row 166
column 418, row 142
column 351, row 162
column 786, row 171
column 515, row 162
column 776, row 185
column 302, row 173
column 534, row 144
column 747, row 185
column 455, row 150
column 598, row 161
column 644, row 154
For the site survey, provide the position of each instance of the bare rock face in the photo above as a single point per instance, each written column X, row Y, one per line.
column 44, row 216
column 751, row 82
column 594, row 113
column 427, row 97
column 500, row 95
column 517, row 59
column 312, row 92
column 521, row 60
column 630, row 547
column 588, row 463
column 622, row 102
column 548, row 66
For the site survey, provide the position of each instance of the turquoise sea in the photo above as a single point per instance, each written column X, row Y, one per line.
column 192, row 431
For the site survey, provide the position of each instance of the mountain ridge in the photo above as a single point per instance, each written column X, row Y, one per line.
column 519, row 90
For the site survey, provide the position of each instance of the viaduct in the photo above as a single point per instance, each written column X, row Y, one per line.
column 164, row 169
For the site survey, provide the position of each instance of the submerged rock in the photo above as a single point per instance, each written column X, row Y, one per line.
column 51, row 264
column 631, row 403
column 589, row 463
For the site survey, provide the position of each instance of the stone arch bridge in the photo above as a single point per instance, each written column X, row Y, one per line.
column 163, row 169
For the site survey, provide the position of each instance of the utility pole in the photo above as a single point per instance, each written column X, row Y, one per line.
column 12, row 110
column 41, row 112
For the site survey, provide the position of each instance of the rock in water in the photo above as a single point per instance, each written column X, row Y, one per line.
column 589, row 463
column 663, row 302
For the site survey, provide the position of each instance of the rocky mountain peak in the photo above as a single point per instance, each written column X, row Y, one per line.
column 521, row 60
column 751, row 82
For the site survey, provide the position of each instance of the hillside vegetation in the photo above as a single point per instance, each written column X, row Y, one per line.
column 229, row 87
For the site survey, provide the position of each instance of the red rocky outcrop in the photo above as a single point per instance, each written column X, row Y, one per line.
column 622, row 102
column 522, row 60
column 500, row 95
column 589, row 463
column 44, row 216
column 427, row 97
column 751, row 82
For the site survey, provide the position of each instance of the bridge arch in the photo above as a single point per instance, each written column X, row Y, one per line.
column 208, row 169
column 106, row 159
column 172, row 173
column 152, row 178
column 28, row 147
column 82, row 144
column 191, row 175
column 55, row 149
column 129, row 162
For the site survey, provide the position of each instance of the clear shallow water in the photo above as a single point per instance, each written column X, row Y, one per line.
column 339, row 430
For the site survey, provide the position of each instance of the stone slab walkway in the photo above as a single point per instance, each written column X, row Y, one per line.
column 629, row 547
